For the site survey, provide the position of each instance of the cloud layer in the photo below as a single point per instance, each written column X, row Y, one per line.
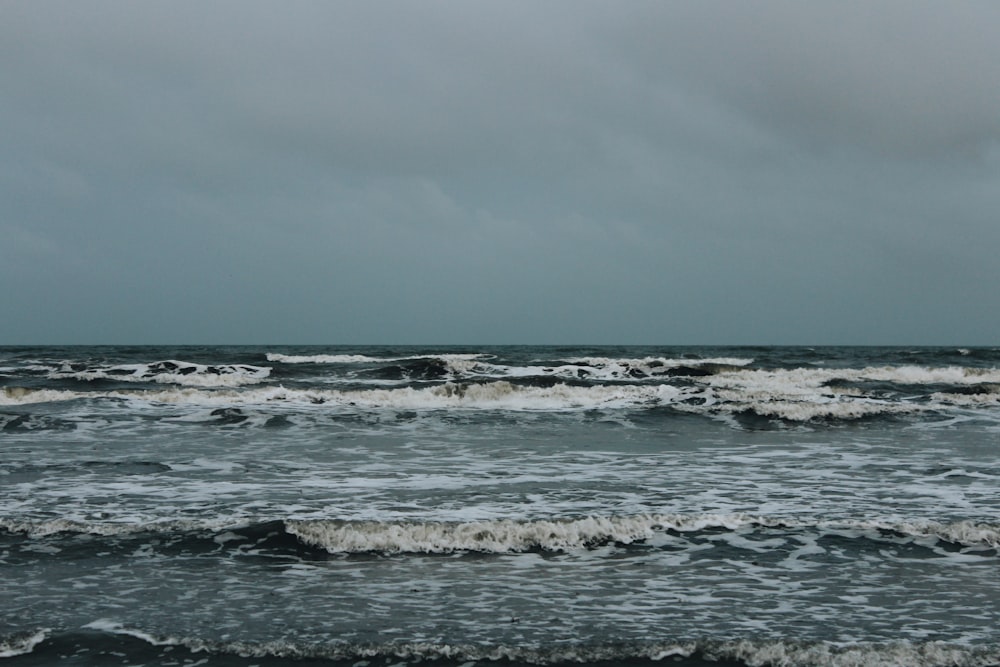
column 471, row 173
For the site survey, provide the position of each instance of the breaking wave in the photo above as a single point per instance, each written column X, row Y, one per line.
column 47, row 527
column 22, row 642
column 99, row 634
column 504, row 395
column 167, row 372
column 509, row 536
column 362, row 358
column 722, row 386
column 500, row 536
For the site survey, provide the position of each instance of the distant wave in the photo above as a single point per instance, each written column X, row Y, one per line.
column 712, row 387
column 900, row 375
column 743, row 651
column 508, row 535
column 45, row 527
column 715, row 370
column 488, row 395
column 653, row 366
column 792, row 404
column 362, row 358
column 477, row 365
column 168, row 372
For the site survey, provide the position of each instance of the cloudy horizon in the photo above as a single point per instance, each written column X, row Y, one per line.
column 463, row 173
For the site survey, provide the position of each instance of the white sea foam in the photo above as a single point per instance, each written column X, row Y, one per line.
column 504, row 395
column 512, row 536
column 171, row 372
column 490, row 536
column 321, row 358
column 797, row 379
column 799, row 407
column 42, row 528
column 27, row 396
column 476, row 365
column 505, row 535
column 959, row 375
column 614, row 369
column 800, row 395
column 978, row 400
column 499, row 395
column 658, row 362
column 781, row 400
column 754, row 652
column 362, row 358
column 22, row 643
column 116, row 628
column 794, row 654
column 803, row 394
column 185, row 395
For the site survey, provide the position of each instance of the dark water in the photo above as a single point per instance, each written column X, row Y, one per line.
column 513, row 505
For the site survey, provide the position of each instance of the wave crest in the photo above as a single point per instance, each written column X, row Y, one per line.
column 46, row 527
column 362, row 358
column 745, row 651
column 511, row 536
column 22, row 642
column 499, row 536
column 168, row 372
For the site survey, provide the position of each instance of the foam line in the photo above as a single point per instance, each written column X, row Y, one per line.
column 510, row 536
column 22, row 643
column 757, row 652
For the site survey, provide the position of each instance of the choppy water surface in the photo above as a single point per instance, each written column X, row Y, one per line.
column 759, row 506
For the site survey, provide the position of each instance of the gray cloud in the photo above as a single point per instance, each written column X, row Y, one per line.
column 912, row 79
column 455, row 172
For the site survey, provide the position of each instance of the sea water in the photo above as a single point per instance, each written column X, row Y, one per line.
column 499, row 505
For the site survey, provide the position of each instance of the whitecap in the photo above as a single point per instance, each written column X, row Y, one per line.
column 362, row 358
column 777, row 651
column 116, row 628
column 27, row 396
column 507, row 535
column 170, row 372
column 22, row 643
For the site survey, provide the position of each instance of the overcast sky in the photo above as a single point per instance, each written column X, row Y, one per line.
column 500, row 172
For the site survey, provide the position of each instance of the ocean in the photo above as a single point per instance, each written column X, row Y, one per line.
column 458, row 506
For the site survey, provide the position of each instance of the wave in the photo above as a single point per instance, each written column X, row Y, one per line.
column 500, row 536
column 97, row 635
column 711, row 388
column 22, row 642
column 783, row 379
column 363, row 358
column 508, row 396
column 511, row 536
column 800, row 409
column 490, row 395
column 29, row 395
column 461, row 366
column 167, row 372
column 716, row 371
column 987, row 397
column 36, row 528
column 651, row 366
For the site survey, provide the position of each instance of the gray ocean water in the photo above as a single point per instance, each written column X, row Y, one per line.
column 499, row 505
